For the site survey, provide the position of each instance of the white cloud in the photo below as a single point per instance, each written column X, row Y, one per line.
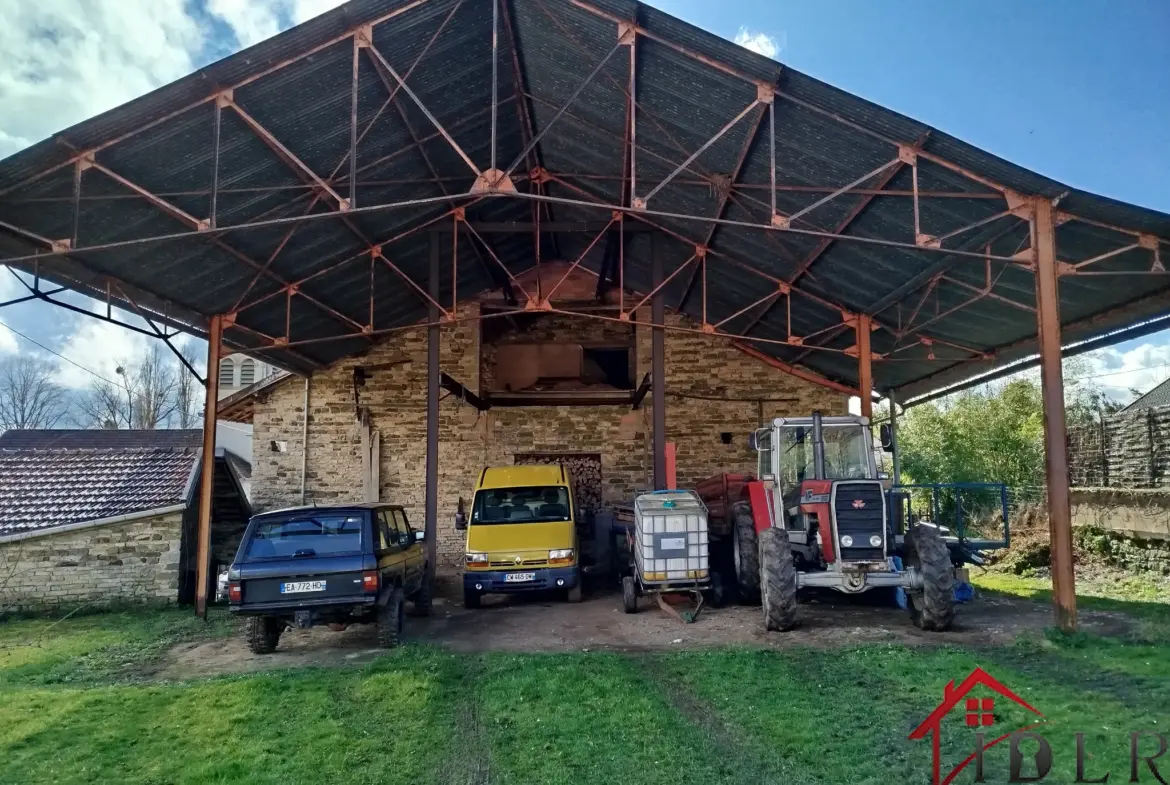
column 251, row 21
column 100, row 347
column 1139, row 367
column 8, row 343
column 67, row 60
column 307, row 9
column 759, row 42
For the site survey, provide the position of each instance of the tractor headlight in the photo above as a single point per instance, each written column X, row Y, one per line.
column 875, row 541
column 846, row 541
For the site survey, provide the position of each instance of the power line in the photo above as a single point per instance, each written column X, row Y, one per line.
column 58, row 354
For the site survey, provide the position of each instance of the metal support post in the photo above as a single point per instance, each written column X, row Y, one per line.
column 432, row 464
column 892, row 398
column 865, row 364
column 658, row 366
column 1052, row 392
column 207, row 475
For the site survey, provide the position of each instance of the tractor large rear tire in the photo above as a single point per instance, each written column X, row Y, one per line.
column 933, row 607
column 746, row 547
column 777, row 580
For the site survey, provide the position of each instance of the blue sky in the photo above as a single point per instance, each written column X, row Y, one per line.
column 1078, row 91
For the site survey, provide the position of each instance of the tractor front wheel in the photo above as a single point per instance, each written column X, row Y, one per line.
column 746, row 549
column 933, row 606
column 777, row 580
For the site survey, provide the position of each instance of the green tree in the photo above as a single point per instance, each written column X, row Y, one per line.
column 976, row 436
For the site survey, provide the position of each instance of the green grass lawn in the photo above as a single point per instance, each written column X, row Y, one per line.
column 78, row 705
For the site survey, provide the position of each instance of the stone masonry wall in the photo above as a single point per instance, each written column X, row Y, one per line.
column 711, row 388
column 137, row 561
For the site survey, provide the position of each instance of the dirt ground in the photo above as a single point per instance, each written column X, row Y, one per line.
column 544, row 624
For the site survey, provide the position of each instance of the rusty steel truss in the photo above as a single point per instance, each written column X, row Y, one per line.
column 907, row 318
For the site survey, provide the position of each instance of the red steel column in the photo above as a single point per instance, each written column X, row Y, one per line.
column 864, row 364
column 431, row 502
column 658, row 366
column 207, row 473
column 1052, row 391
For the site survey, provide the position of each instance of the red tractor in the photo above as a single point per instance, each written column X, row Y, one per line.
column 818, row 516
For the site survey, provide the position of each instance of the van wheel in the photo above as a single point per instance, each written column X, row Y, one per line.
column 390, row 618
column 262, row 634
column 471, row 598
column 574, row 594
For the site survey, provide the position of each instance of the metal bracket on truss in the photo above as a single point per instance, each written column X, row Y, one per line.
column 907, row 155
column 927, row 241
column 364, row 36
column 780, row 221
column 765, row 93
column 493, row 181
column 626, row 33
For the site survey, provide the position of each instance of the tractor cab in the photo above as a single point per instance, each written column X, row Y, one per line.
column 822, row 482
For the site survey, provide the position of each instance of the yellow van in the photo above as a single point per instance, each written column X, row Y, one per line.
column 521, row 534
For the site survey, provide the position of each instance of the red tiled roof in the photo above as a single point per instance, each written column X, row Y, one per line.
column 43, row 488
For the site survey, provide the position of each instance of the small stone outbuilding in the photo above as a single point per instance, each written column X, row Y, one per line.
column 108, row 517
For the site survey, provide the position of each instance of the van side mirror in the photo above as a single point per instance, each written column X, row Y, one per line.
column 420, row 536
column 886, row 434
column 460, row 517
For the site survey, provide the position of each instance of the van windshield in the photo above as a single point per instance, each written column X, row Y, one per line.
column 534, row 504
column 307, row 536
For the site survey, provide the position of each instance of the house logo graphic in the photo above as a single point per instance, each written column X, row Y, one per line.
column 979, row 712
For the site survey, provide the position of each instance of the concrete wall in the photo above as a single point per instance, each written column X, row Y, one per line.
column 136, row 561
column 711, row 388
column 1135, row 512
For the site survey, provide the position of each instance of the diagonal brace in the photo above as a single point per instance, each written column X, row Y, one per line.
column 286, row 155
column 373, row 50
column 641, row 202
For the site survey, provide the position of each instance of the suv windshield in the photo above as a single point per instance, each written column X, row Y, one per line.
column 521, row 505
column 302, row 537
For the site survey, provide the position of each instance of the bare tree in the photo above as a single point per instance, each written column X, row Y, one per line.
column 188, row 392
column 146, row 398
column 154, row 384
column 103, row 405
column 29, row 398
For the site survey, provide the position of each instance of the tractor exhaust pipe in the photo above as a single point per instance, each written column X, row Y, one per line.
column 818, row 448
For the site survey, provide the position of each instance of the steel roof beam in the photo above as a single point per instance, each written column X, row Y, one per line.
column 724, row 201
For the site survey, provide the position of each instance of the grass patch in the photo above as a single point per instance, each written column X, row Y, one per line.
column 1143, row 596
column 69, row 714
column 97, row 648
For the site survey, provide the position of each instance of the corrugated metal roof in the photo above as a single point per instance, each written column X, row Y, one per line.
column 824, row 137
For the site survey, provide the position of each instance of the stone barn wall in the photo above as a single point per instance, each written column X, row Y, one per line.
column 106, row 564
column 711, row 388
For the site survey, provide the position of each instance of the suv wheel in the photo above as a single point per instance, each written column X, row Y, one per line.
column 421, row 599
column 262, row 634
column 390, row 620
